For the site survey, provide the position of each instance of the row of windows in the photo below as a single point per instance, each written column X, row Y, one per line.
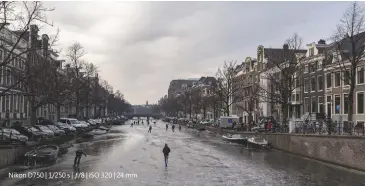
column 317, row 104
column 312, row 67
column 317, row 83
column 16, row 61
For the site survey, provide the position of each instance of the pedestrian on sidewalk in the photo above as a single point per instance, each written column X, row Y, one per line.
column 166, row 127
column 150, row 128
column 166, row 151
column 78, row 155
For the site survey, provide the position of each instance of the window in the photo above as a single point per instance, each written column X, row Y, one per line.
column 345, row 103
column 313, row 84
column 3, row 104
column 297, row 82
column 346, row 77
column 311, row 51
column 315, row 66
column 320, row 65
column 306, row 105
column 321, row 104
column 11, row 103
column 337, row 79
column 320, row 82
column 1, row 55
column 7, row 102
column 329, row 80
column 361, row 76
column 293, row 97
column 360, row 102
column 314, row 104
column 306, row 69
column 307, row 85
column 337, row 101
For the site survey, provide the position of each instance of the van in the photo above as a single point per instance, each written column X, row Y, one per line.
column 73, row 122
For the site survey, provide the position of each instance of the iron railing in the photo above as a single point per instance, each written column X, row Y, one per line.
column 329, row 127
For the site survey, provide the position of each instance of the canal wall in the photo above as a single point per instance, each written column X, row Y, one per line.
column 11, row 156
column 346, row 151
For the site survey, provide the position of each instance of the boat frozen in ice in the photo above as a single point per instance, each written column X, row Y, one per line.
column 237, row 138
column 258, row 142
column 44, row 154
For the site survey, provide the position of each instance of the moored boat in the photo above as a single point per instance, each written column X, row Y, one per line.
column 237, row 138
column 42, row 155
column 257, row 142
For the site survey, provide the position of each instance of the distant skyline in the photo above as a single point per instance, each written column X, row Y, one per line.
column 140, row 47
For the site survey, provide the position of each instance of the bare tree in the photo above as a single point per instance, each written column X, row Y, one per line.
column 284, row 74
column 16, row 19
column 225, row 90
column 61, row 88
column 196, row 100
column 249, row 99
column 88, row 76
column 347, row 53
column 75, row 52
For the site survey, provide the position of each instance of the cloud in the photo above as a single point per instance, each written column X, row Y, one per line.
column 141, row 46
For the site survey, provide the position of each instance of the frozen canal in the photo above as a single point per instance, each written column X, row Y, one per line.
column 194, row 160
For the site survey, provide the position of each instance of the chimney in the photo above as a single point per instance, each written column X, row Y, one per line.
column 45, row 39
column 33, row 34
column 285, row 46
column 321, row 41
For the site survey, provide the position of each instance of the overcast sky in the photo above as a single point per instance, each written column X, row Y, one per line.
column 140, row 47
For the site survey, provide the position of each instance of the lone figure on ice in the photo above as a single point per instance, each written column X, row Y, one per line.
column 166, row 151
column 150, row 128
column 78, row 155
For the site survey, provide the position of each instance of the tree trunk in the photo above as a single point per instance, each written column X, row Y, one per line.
column 58, row 111
column 350, row 102
column 77, row 103
column 284, row 110
column 227, row 110
column 204, row 113
column 250, row 119
column 33, row 114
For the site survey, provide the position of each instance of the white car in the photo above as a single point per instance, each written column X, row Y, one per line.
column 73, row 122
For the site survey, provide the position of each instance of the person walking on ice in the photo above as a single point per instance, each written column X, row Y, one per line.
column 166, row 151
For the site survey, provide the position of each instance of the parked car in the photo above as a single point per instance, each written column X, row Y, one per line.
column 49, row 132
column 73, row 122
column 67, row 128
column 92, row 122
column 56, row 130
column 31, row 132
column 7, row 133
column 85, row 123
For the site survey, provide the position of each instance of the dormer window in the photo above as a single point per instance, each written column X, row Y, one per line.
column 311, row 51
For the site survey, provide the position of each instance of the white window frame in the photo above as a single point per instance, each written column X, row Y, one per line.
column 320, row 103
column 311, row 105
column 306, row 69
column 307, row 102
column 357, row 83
column 320, row 65
column 305, row 91
column 316, row 84
column 334, row 79
column 343, row 84
column 326, row 81
column 343, row 106
column 326, row 104
column 340, row 103
column 357, row 103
